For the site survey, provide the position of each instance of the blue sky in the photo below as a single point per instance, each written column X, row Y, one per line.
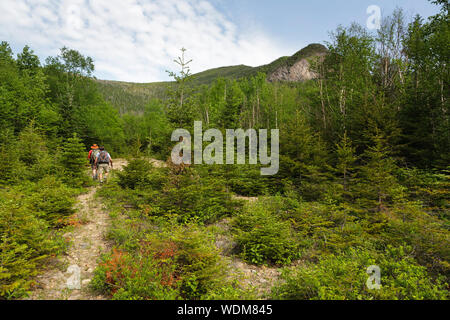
column 137, row 40
column 302, row 22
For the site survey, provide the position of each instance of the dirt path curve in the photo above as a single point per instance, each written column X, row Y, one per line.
column 87, row 244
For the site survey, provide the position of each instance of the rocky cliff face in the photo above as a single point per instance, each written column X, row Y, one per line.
column 299, row 71
column 297, row 67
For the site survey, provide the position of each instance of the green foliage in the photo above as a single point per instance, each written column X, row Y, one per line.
column 72, row 62
column 8, row 160
column 345, row 166
column 180, row 109
column 26, row 236
column 432, row 189
column 302, row 158
column 149, row 131
column 103, row 126
column 32, row 160
column 175, row 191
column 128, row 97
column 78, row 102
column 175, row 262
column 424, row 118
column 349, row 192
column 27, row 61
column 343, row 277
column 23, row 93
column 189, row 196
column 379, row 183
column 18, row 265
column 51, row 200
column 73, row 161
column 140, row 174
column 409, row 224
column 244, row 180
column 232, row 72
column 233, row 104
column 263, row 237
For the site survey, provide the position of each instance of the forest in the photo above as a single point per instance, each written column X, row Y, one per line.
column 364, row 173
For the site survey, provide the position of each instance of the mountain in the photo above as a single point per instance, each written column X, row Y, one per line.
column 127, row 96
column 294, row 68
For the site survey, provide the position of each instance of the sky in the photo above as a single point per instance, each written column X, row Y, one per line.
column 137, row 40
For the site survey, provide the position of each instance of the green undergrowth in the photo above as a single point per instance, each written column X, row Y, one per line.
column 33, row 217
column 343, row 277
column 323, row 247
column 162, row 249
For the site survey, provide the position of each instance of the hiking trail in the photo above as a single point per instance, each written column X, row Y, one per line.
column 87, row 243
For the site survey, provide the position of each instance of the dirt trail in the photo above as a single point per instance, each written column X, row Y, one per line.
column 87, row 244
column 120, row 163
column 250, row 199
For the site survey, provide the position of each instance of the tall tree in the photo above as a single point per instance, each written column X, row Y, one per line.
column 70, row 88
column 180, row 109
column 425, row 116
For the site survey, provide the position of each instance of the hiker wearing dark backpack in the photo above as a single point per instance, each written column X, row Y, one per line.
column 93, row 153
column 102, row 163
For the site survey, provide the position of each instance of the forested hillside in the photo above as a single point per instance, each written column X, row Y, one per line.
column 364, row 174
column 135, row 96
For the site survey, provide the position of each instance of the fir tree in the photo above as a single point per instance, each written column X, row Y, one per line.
column 180, row 108
column 345, row 167
column 73, row 160
column 378, row 181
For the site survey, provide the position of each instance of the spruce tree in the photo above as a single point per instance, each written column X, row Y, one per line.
column 378, row 185
column 345, row 166
column 73, row 161
column 180, row 104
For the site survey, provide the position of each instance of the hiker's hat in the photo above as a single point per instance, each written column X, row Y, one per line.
column 94, row 146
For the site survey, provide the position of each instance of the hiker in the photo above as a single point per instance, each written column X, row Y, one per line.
column 93, row 153
column 102, row 163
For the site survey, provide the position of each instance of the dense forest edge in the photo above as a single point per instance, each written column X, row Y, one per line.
column 364, row 174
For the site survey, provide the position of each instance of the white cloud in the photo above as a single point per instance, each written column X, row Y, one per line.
column 135, row 40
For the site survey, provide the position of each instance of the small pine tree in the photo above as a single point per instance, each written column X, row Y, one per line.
column 233, row 103
column 34, row 160
column 378, row 181
column 73, row 160
column 346, row 159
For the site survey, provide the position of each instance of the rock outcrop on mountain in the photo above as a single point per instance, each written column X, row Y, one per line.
column 294, row 68
column 300, row 71
column 298, row 67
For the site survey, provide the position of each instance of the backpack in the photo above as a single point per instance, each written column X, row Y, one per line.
column 94, row 154
column 103, row 157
